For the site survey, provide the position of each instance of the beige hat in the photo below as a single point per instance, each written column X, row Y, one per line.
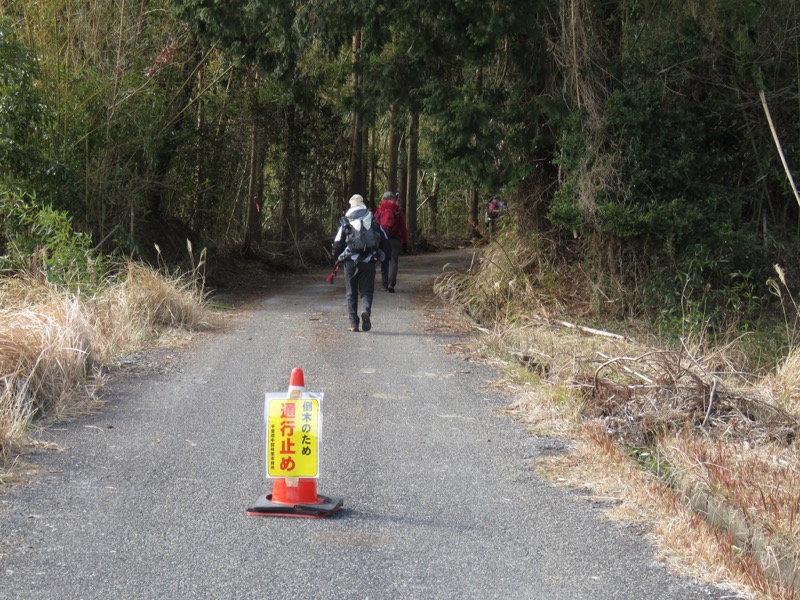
column 356, row 200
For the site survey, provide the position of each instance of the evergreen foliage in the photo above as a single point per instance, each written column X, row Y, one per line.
column 41, row 239
column 674, row 160
column 21, row 109
column 631, row 133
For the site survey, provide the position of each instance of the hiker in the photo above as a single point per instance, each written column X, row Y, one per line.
column 495, row 210
column 358, row 244
column 393, row 222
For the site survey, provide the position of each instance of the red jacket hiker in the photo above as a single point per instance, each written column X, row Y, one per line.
column 391, row 218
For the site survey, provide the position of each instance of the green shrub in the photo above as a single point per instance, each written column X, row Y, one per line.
column 33, row 236
column 20, row 106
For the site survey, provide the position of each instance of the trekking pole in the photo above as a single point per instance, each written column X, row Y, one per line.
column 330, row 277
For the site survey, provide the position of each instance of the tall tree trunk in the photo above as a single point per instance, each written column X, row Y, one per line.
column 402, row 183
column 474, row 195
column 373, row 168
column 289, row 181
column 200, row 125
column 394, row 141
column 474, row 225
column 252, row 232
column 433, row 202
column 364, row 168
column 354, row 182
column 411, row 188
column 356, row 125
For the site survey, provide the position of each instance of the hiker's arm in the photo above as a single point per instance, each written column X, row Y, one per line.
column 337, row 249
column 338, row 245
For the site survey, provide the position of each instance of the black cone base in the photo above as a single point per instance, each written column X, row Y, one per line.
column 265, row 507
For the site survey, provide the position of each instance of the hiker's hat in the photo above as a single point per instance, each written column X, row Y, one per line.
column 356, row 200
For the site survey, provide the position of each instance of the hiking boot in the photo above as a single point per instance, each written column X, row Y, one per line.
column 391, row 289
column 384, row 288
column 354, row 326
column 365, row 324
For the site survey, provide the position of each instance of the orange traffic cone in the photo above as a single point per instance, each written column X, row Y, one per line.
column 295, row 496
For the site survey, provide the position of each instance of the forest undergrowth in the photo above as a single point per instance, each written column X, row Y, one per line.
column 695, row 434
column 58, row 343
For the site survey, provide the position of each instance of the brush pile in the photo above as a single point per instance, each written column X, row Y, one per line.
column 642, row 398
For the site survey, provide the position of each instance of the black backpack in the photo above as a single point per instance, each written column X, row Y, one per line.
column 362, row 238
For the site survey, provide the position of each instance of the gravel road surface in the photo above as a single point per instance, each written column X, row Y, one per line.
column 148, row 499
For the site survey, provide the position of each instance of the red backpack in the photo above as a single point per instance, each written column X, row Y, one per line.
column 388, row 216
column 494, row 208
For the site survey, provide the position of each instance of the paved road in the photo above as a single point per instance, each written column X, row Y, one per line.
column 148, row 499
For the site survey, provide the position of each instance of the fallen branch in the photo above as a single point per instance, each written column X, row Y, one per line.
column 592, row 331
column 628, row 369
column 583, row 328
column 710, row 402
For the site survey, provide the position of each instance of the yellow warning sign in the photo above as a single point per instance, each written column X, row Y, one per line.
column 293, row 433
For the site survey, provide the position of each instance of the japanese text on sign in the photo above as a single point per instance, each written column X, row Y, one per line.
column 293, row 431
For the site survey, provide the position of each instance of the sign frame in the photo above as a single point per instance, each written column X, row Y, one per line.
column 293, row 434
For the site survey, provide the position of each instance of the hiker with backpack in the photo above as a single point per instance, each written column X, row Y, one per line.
column 495, row 210
column 358, row 244
column 391, row 218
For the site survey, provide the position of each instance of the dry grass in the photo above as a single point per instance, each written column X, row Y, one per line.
column 683, row 438
column 54, row 344
column 751, row 494
column 786, row 382
column 46, row 362
column 158, row 301
column 507, row 275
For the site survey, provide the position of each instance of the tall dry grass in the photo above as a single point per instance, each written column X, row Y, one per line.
column 54, row 343
column 684, row 436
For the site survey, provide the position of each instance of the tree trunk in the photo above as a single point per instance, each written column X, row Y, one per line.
column 411, row 188
column 356, row 140
column 290, row 178
column 433, row 202
column 252, row 232
column 402, row 183
column 394, row 141
column 364, row 168
column 474, row 225
column 200, row 126
column 373, row 168
column 354, row 183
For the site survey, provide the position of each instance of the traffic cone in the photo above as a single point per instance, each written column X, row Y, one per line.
column 295, row 496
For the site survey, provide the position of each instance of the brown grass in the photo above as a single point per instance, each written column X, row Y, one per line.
column 54, row 344
column 786, row 382
column 683, row 438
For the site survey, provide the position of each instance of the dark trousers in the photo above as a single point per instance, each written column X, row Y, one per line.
column 389, row 265
column 359, row 282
